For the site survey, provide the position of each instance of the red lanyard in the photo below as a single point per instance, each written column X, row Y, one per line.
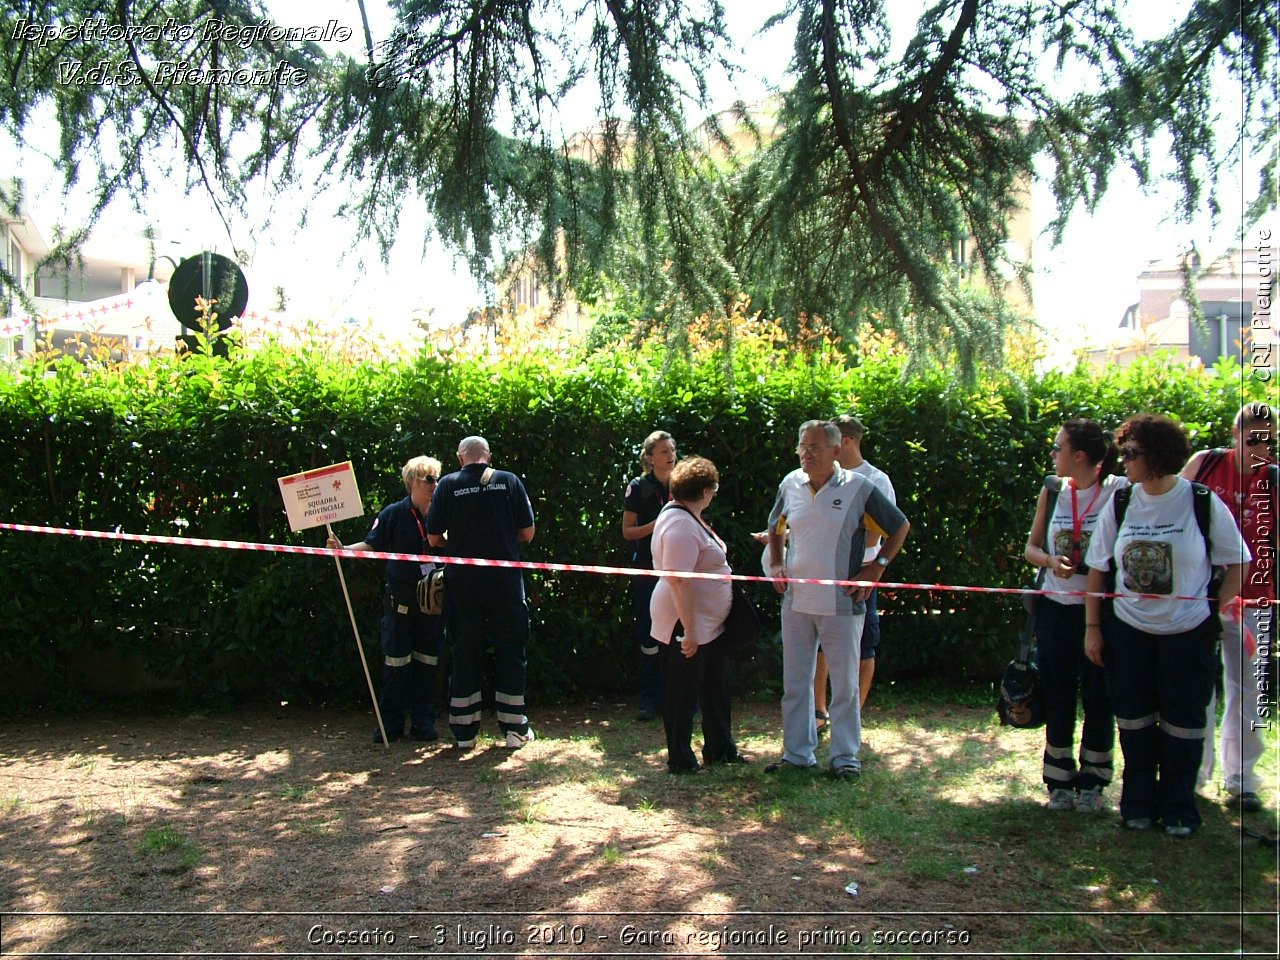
column 660, row 490
column 1077, row 519
column 421, row 530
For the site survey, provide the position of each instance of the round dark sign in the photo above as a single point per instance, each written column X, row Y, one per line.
column 214, row 277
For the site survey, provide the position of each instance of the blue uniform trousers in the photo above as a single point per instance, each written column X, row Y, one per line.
column 410, row 652
column 1160, row 687
column 1064, row 671
column 650, row 700
column 870, row 646
column 686, row 681
column 481, row 611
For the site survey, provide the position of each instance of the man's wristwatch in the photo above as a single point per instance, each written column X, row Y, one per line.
column 882, row 560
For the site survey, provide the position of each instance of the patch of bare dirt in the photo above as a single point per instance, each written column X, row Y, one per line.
column 287, row 832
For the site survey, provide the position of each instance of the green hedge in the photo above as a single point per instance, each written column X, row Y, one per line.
column 194, row 447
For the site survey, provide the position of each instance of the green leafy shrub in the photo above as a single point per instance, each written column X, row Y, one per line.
column 194, row 447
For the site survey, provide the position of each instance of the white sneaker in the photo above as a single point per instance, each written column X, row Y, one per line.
column 1062, row 799
column 462, row 746
column 515, row 741
column 1090, row 801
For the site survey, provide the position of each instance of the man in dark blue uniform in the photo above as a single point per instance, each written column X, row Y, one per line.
column 484, row 513
column 410, row 638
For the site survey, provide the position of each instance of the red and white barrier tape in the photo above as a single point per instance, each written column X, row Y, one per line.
column 554, row 567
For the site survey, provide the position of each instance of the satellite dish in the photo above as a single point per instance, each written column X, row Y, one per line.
column 213, row 277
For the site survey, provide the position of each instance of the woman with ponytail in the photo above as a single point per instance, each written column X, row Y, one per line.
column 646, row 495
column 1084, row 481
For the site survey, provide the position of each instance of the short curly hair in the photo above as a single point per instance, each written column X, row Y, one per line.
column 691, row 478
column 1163, row 442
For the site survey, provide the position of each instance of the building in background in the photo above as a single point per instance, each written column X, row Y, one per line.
column 1234, row 291
column 111, row 292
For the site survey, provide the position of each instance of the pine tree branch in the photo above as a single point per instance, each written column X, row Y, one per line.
column 930, row 85
column 193, row 154
column 857, row 173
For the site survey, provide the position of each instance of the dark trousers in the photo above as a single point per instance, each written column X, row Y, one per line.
column 1064, row 672
column 650, row 699
column 870, row 645
column 410, row 652
column 479, row 613
column 1160, row 687
column 686, row 681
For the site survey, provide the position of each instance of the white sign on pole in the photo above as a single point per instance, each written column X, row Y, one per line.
column 316, row 497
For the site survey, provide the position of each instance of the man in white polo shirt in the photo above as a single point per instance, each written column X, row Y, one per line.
column 820, row 515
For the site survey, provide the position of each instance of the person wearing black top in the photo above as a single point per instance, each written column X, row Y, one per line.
column 645, row 496
column 484, row 513
column 410, row 638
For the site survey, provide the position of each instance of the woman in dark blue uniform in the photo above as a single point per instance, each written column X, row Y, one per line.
column 410, row 638
column 645, row 496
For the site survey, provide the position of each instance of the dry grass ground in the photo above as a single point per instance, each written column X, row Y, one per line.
column 285, row 832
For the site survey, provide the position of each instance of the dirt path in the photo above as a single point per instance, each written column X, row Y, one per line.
column 285, row 831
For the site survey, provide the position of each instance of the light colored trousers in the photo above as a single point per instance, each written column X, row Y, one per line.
column 840, row 638
column 1241, row 724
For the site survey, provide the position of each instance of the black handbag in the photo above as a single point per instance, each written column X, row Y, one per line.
column 743, row 625
column 1018, row 702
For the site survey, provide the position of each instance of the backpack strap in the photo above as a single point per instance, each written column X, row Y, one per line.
column 1053, row 484
column 1202, row 504
column 1027, row 643
column 1053, row 487
column 1211, row 460
column 1119, row 507
column 1201, row 500
column 1026, row 650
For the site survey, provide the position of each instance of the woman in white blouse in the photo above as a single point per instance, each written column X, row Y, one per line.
column 688, row 617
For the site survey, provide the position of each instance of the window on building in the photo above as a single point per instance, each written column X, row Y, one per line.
column 960, row 255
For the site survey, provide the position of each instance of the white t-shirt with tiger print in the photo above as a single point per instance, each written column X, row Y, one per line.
column 1159, row 550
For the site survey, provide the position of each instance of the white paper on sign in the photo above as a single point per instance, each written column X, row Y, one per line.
column 324, row 495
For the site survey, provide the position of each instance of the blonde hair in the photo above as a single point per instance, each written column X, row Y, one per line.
column 651, row 441
column 416, row 469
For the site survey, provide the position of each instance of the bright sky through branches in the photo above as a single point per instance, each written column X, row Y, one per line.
column 1081, row 287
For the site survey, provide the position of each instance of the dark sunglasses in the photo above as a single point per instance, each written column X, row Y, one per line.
column 428, row 479
column 1056, row 448
column 1130, row 453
